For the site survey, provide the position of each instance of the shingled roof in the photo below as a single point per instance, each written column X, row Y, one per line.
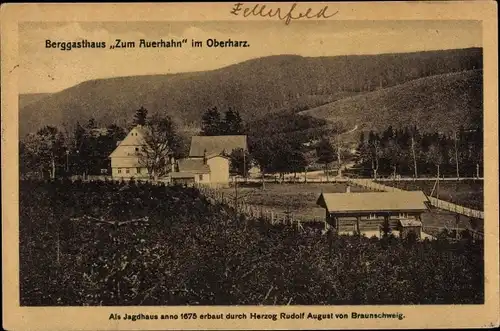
column 215, row 145
column 193, row 166
column 372, row 202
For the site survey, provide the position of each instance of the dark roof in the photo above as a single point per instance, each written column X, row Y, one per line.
column 373, row 201
column 216, row 145
column 182, row 175
column 193, row 166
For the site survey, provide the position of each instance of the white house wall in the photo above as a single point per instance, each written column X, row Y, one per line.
column 219, row 170
column 202, row 178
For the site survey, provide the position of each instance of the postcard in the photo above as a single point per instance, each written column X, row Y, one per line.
column 251, row 165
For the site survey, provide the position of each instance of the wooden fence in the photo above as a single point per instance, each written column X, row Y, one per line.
column 216, row 195
column 242, row 208
column 367, row 183
column 434, row 201
column 436, row 230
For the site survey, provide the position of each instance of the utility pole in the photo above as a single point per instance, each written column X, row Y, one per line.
column 236, row 198
column 245, row 165
column 53, row 175
column 58, row 249
column 67, row 160
column 414, row 158
column 456, row 155
column 437, row 192
column 339, row 157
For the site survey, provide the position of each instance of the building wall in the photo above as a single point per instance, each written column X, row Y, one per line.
column 127, row 164
column 183, row 181
column 219, row 170
column 127, row 172
column 202, row 178
column 367, row 222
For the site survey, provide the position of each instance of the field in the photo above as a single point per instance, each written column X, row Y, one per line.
column 468, row 193
column 117, row 244
column 297, row 198
column 300, row 199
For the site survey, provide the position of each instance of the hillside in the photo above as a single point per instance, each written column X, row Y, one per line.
column 435, row 104
column 91, row 244
column 254, row 88
column 26, row 99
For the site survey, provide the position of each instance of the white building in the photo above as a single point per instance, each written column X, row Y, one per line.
column 208, row 161
column 125, row 160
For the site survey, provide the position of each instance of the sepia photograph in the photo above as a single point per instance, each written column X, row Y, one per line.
column 285, row 161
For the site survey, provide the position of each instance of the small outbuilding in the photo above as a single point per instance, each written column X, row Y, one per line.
column 407, row 226
column 368, row 211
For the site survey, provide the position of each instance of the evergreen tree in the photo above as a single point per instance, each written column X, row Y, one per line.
column 211, row 124
column 91, row 124
column 140, row 116
column 233, row 124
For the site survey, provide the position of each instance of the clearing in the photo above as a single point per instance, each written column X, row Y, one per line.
column 300, row 199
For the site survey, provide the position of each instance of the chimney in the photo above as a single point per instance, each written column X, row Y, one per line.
column 348, row 189
column 172, row 163
column 118, row 142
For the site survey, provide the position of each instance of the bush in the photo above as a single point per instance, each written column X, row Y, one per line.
column 190, row 251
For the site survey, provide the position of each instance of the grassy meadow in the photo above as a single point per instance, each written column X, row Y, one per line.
column 468, row 193
column 300, row 199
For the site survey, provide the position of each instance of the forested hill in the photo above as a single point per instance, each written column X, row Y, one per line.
column 26, row 99
column 254, row 88
column 440, row 103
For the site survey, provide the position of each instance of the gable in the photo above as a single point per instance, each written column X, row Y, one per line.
column 135, row 138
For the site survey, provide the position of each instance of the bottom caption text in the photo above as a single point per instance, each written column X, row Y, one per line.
column 256, row 316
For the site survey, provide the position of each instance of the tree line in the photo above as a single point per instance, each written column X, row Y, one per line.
column 294, row 147
column 54, row 152
column 271, row 153
column 409, row 152
column 281, row 144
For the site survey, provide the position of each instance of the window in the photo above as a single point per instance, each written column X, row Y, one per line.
column 138, row 170
column 403, row 215
column 137, row 149
column 127, row 170
column 201, row 177
column 372, row 216
column 119, row 170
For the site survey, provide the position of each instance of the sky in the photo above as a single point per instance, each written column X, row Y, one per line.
column 50, row 70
